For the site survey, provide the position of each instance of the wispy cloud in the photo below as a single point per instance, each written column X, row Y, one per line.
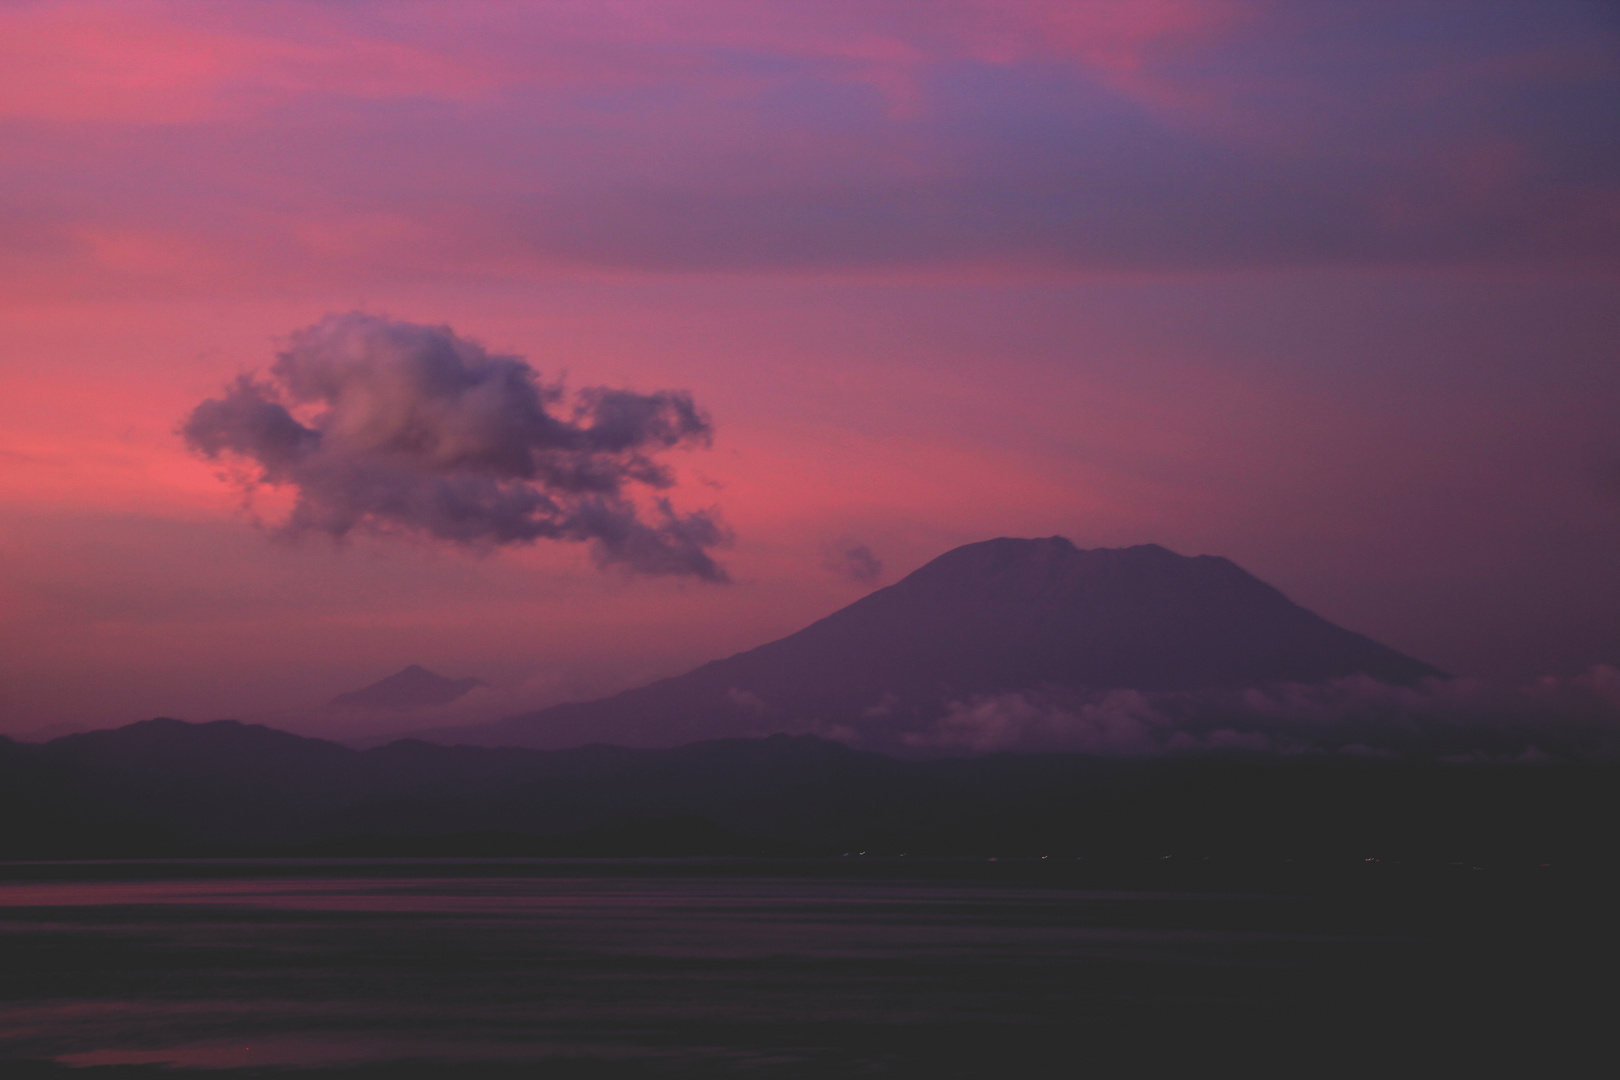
column 853, row 560
column 1461, row 721
column 372, row 142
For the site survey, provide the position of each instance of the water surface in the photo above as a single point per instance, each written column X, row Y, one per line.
column 648, row 967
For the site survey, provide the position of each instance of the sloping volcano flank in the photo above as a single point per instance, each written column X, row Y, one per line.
column 985, row 618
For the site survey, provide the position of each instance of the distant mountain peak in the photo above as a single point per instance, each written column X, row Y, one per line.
column 412, row 687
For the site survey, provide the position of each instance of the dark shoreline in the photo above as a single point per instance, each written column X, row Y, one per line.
column 1590, row 888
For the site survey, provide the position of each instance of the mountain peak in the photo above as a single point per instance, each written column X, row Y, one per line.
column 412, row 687
column 1052, row 573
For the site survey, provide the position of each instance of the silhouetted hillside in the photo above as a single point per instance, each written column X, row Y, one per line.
column 165, row 787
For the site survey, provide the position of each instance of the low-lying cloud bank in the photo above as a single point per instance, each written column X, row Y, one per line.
column 394, row 427
column 1458, row 721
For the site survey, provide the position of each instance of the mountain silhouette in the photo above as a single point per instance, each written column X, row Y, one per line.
column 415, row 687
column 165, row 787
column 993, row 617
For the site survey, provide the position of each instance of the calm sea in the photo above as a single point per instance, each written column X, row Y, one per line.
column 714, row 968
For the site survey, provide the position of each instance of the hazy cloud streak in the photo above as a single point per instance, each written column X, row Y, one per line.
column 1016, row 139
column 1460, row 721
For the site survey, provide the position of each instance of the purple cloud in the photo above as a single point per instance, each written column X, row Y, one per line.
column 415, row 429
column 854, row 561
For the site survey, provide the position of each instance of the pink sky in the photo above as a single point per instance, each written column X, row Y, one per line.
column 1332, row 290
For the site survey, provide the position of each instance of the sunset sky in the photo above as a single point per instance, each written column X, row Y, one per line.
column 1330, row 289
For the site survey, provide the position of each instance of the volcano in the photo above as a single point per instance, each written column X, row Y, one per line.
column 993, row 617
column 414, row 687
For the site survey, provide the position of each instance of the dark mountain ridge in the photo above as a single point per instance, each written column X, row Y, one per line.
column 1002, row 615
column 169, row 788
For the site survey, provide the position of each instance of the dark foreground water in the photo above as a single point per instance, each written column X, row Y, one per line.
column 710, row 968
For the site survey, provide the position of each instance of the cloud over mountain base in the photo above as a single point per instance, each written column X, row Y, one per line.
column 1457, row 721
